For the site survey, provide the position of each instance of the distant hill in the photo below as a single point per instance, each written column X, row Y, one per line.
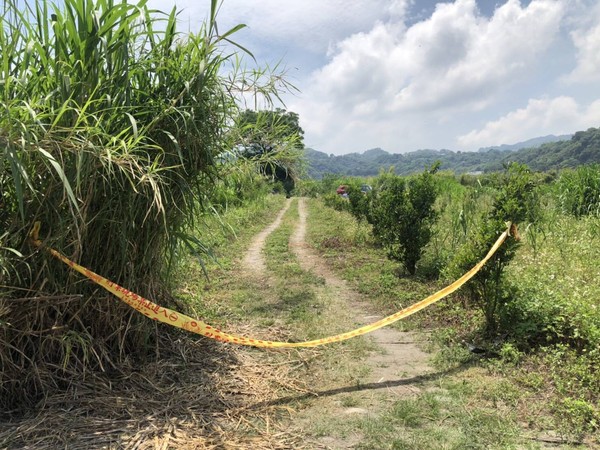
column 530, row 143
column 374, row 153
column 356, row 164
column 582, row 148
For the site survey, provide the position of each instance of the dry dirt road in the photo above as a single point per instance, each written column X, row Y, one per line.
column 396, row 361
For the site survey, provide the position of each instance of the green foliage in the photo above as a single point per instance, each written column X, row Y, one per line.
column 582, row 148
column 308, row 188
column 402, row 214
column 579, row 190
column 446, row 417
column 274, row 141
column 548, row 314
column 573, row 378
column 356, row 201
column 261, row 131
column 486, row 288
column 238, row 188
column 371, row 162
column 510, row 354
column 336, row 202
column 359, row 198
column 461, row 209
column 547, row 332
column 517, row 201
column 114, row 133
column 579, row 417
column 330, row 182
column 557, row 289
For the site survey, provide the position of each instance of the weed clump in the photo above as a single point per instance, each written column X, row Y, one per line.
column 579, row 190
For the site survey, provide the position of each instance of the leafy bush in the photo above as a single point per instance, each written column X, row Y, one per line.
column 308, row 188
column 402, row 214
column 517, row 202
column 359, row 200
column 273, row 141
column 556, row 299
column 336, row 202
column 238, row 188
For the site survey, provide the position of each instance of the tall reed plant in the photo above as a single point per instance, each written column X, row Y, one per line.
column 112, row 127
column 579, row 190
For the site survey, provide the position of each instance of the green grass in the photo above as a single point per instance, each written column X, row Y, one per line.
column 305, row 305
column 349, row 248
column 558, row 284
column 296, row 303
column 221, row 298
column 547, row 366
column 445, row 416
column 510, row 401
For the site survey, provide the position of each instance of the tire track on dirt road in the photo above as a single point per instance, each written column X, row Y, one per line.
column 254, row 260
column 400, row 357
column 388, row 373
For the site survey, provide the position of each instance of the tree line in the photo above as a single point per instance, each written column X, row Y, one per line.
column 582, row 148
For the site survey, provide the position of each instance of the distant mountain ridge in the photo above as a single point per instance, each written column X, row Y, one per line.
column 529, row 143
column 542, row 153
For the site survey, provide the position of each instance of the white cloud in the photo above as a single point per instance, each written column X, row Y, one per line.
column 370, row 75
column 586, row 39
column 311, row 25
column 456, row 60
column 560, row 115
column 469, row 58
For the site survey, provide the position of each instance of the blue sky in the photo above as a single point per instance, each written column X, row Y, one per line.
column 409, row 74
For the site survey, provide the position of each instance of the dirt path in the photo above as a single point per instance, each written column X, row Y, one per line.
column 254, row 261
column 387, row 373
column 399, row 356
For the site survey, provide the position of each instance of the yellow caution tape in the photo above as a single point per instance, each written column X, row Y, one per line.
column 176, row 319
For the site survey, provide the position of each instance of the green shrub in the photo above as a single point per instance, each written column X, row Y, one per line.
column 359, row 201
column 336, row 202
column 402, row 214
column 516, row 202
column 308, row 188
column 577, row 417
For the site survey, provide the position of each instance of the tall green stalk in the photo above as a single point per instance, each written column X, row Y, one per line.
column 112, row 127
